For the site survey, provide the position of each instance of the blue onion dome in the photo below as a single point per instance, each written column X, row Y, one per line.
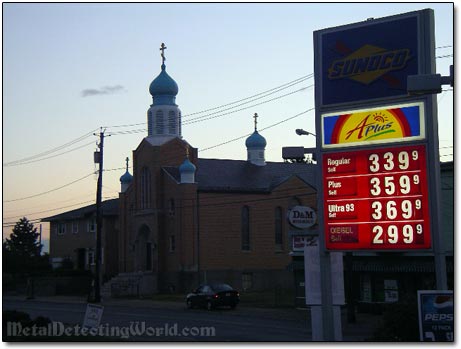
column 126, row 178
column 255, row 141
column 187, row 167
column 163, row 84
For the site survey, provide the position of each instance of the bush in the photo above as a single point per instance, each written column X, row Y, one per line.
column 24, row 319
column 400, row 323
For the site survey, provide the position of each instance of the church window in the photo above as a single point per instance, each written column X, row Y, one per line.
column 278, row 228
column 61, row 228
column 171, row 122
column 171, row 208
column 179, row 124
column 91, row 225
column 149, row 123
column 159, row 122
column 245, row 228
column 145, row 188
column 75, row 227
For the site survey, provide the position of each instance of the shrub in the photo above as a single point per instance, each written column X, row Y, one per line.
column 400, row 323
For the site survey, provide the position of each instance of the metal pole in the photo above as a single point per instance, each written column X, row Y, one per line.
column 97, row 283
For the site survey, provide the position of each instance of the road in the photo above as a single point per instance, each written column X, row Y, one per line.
column 171, row 321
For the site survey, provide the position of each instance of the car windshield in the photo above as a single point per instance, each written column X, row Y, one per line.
column 221, row 287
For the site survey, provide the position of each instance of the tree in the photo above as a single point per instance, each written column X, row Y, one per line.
column 22, row 250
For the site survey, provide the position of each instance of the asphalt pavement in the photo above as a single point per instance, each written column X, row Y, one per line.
column 151, row 320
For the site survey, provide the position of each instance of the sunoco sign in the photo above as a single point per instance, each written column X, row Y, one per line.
column 302, row 217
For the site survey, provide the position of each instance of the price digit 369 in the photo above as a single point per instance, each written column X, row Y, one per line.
column 389, row 210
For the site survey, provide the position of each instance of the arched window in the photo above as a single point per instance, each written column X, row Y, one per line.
column 145, row 188
column 278, row 214
column 171, row 122
column 171, row 208
column 159, row 122
column 245, row 228
column 179, row 124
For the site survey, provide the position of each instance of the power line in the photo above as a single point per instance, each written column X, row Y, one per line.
column 50, row 210
column 50, row 157
column 265, row 128
column 50, row 191
column 40, row 155
column 259, row 95
column 209, row 117
column 444, row 56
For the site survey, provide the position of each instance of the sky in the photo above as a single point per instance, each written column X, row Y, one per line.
column 71, row 68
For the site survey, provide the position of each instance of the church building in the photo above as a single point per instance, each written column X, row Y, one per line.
column 184, row 220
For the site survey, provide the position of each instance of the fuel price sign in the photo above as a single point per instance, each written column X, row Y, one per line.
column 376, row 199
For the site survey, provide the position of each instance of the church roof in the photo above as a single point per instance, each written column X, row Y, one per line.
column 109, row 208
column 218, row 175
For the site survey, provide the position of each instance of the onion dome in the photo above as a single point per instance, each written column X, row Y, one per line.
column 187, row 167
column 126, row 178
column 163, row 89
column 187, row 170
column 163, row 85
column 256, row 145
column 255, row 141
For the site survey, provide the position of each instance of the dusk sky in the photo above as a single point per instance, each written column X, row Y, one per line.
column 69, row 69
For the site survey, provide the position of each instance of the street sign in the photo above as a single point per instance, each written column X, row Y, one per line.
column 93, row 315
column 377, row 199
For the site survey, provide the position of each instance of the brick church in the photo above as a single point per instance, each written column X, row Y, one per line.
column 181, row 220
column 185, row 220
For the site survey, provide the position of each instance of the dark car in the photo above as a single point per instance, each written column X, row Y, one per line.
column 213, row 295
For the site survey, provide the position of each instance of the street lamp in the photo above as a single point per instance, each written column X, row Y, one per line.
column 301, row 132
column 427, row 83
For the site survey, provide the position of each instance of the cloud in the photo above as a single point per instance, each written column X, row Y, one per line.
column 106, row 90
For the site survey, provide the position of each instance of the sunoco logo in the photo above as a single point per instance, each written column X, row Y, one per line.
column 368, row 64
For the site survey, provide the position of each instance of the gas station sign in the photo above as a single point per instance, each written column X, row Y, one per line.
column 390, row 124
column 376, row 199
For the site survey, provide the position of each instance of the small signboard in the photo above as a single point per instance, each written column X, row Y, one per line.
column 93, row 315
column 302, row 217
column 389, row 124
column 299, row 241
column 436, row 315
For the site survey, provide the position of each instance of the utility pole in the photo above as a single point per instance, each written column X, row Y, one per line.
column 98, row 159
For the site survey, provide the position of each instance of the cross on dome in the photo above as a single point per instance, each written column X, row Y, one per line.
column 256, row 120
column 163, row 48
column 127, row 161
